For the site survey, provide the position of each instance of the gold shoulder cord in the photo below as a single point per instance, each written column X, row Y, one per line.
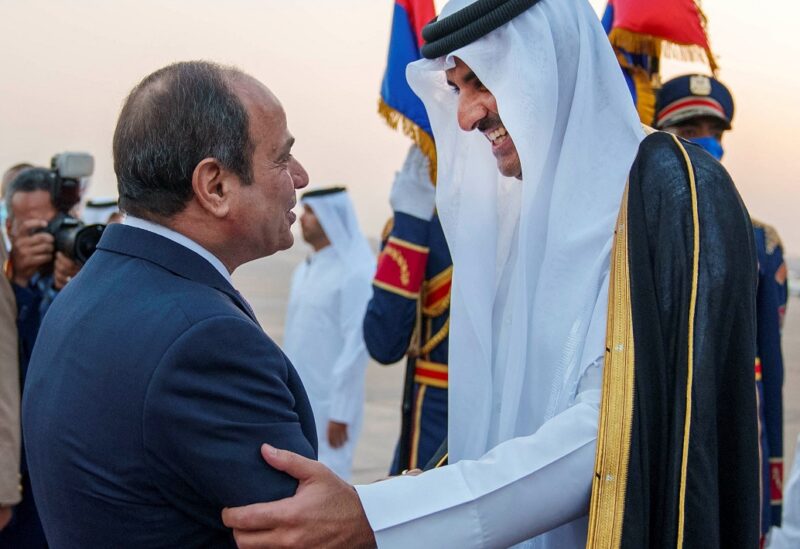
column 607, row 507
column 616, row 408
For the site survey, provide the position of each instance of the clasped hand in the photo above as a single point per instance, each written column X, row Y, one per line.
column 325, row 511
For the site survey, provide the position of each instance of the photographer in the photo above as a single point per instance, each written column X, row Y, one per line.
column 37, row 272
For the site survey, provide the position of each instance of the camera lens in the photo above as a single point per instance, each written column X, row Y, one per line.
column 86, row 241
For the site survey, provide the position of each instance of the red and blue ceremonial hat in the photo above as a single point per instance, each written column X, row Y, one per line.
column 690, row 96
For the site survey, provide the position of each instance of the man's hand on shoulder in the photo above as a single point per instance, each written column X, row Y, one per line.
column 337, row 434
column 325, row 512
column 30, row 250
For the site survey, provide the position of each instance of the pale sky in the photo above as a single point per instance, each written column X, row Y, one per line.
column 67, row 66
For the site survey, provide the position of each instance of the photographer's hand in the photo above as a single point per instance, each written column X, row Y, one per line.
column 30, row 250
column 64, row 270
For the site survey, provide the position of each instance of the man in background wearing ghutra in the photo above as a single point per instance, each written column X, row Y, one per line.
column 323, row 337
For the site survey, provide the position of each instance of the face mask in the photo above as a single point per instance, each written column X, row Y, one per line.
column 711, row 145
column 3, row 212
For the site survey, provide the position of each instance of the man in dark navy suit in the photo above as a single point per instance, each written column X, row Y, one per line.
column 152, row 385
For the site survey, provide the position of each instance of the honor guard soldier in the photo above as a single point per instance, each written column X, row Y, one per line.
column 699, row 108
column 410, row 310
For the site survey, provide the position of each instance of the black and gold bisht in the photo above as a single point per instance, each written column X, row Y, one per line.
column 677, row 449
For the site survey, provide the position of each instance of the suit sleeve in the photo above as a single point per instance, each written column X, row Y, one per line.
column 391, row 313
column 221, row 390
column 347, row 392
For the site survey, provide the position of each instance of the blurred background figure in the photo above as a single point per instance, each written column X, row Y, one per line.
column 10, row 492
column 102, row 210
column 700, row 109
column 787, row 535
column 8, row 177
column 323, row 337
column 46, row 249
column 37, row 272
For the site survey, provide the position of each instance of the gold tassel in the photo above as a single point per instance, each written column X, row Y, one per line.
column 636, row 43
column 417, row 134
column 712, row 62
column 653, row 46
column 645, row 96
column 646, row 86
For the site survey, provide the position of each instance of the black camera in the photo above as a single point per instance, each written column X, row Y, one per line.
column 68, row 172
column 73, row 237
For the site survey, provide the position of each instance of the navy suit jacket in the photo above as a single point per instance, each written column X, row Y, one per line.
column 149, row 392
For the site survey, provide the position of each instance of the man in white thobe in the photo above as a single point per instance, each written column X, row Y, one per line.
column 323, row 335
column 531, row 248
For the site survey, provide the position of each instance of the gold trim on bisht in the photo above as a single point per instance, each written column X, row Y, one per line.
column 607, row 507
column 690, row 363
column 616, row 408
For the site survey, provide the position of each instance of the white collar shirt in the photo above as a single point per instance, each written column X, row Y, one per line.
column 178, row 238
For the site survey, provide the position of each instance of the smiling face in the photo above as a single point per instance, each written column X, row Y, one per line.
column 265, row 206
column 477, row 110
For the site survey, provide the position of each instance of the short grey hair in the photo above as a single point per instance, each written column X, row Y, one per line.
column 173, row 119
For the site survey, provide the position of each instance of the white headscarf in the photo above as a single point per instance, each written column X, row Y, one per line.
column 337, row 216
column 528, row 306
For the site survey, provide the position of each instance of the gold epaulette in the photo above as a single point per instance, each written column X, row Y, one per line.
column 771, row 237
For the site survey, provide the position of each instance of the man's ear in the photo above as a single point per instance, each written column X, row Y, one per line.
column 212, row 185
